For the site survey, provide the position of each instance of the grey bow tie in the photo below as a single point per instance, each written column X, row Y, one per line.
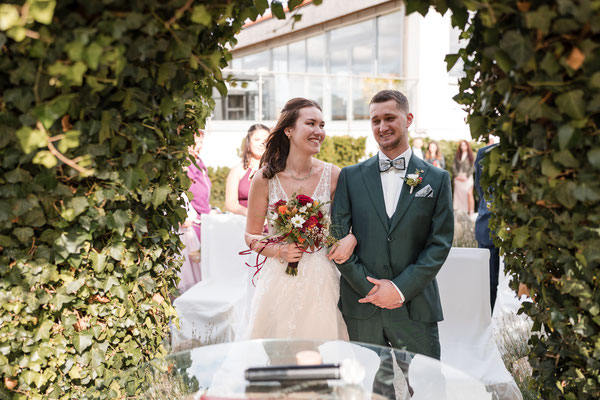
column 398, row 163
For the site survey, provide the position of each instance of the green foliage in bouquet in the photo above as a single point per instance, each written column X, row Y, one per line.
column 533, row 79
column 98, row 103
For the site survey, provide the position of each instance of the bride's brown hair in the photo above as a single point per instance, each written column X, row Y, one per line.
column 278, row 144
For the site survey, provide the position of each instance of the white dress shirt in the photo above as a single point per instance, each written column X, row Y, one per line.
column 391, row 182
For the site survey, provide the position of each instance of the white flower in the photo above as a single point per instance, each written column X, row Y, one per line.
column 412, row 176
column 309, row 205
column 303, row 209
column 298, row 221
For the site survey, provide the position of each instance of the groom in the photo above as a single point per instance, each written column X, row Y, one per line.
column 400, row 210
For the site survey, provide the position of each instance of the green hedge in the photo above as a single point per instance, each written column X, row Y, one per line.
column 98, row 103
column 339, row 150
column 533, row 79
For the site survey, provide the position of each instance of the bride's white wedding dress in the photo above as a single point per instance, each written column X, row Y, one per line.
column 302, row 306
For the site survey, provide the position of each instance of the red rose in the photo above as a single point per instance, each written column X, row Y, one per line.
column 304, row 200
column 320, row 215
column 312, row 221
column 279, row 203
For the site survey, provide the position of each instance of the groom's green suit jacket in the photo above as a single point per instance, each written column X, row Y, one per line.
column 409, row 248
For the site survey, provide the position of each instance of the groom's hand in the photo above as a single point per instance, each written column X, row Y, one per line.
column 383, row 294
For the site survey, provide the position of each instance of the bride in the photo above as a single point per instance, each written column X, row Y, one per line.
column 302, row 306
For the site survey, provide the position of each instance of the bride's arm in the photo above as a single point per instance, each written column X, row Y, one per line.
column 341, row 251
column 258, row 204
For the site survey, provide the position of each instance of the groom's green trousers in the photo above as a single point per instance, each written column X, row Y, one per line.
column 414, row 336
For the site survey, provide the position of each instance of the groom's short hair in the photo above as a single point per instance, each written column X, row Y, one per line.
column 398, row 97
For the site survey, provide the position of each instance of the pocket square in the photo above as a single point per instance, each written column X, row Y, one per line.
column 427, row 191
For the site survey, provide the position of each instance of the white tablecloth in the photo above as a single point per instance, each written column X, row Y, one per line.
column 466, row 332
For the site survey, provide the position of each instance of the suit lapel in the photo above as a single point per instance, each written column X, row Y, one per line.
column 406, row 197
column 372, row 179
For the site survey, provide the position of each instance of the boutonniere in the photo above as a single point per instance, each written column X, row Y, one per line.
column 415, row 179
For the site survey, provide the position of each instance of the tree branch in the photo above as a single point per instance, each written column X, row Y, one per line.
column 60, row 156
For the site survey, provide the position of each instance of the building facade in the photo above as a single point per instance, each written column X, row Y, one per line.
column 339, row 53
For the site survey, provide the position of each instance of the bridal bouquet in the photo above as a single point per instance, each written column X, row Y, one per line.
column 300, row 221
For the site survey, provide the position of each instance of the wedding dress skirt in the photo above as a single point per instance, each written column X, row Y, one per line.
column 298, row 307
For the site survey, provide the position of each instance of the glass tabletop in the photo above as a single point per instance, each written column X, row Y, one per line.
column 362, row 371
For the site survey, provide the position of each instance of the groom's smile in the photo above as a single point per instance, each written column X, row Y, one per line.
column 390, row 127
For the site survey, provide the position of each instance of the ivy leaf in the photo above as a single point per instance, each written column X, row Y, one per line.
column 9, row 16
column 565, row 133
column 540, row 18
column 73, row 287
column 71, row 140
column 565, row 194
column 585, row 192
column 23, row 234
column 50, row 112
column 60, row 298
column 549, row 169
column 43, row 332
column 42, row 11
column 82, row 341
column 477, row 125
column 105, row 127
column 92, row 55
column 18, row 175
column 200, row 15
column 45, row 158
column 98, row 261
column 530, row 107
column 277, row 9
column 160, row 195
column 566, row 158
column 166, row 72
column 595, row 80
column 34, row 217
column 31, row 139
column 261, row 5
column 451, row 59
column 518, row 47
column 593, row 157
column 572, row 104
column 521, row 235
column 117, row 221
column 293, row 4
column 422, row 7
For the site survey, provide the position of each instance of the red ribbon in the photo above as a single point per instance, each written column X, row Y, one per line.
column 267, row 241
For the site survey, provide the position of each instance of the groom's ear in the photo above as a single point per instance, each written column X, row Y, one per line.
column 409, row 119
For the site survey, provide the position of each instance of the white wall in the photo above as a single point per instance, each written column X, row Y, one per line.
column 436, row 115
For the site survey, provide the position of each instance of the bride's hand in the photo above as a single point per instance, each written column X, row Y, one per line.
column 341, row 251
column 290, row 252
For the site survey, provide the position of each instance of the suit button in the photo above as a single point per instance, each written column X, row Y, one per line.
column 389, row 239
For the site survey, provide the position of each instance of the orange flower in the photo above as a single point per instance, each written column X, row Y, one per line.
column 301, row 239
column 282, row 209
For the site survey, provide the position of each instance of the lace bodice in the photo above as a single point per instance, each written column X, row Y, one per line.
column 322, row 191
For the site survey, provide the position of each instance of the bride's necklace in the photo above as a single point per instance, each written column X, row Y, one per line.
column 296, row 178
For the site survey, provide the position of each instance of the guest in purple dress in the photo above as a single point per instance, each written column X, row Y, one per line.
column 200, row 187
column 238, row 180
column 190, row 272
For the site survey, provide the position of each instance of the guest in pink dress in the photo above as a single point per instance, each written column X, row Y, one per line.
column 190, row 273
column 238, row 180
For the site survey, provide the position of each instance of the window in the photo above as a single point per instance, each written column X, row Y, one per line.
column 389, row 43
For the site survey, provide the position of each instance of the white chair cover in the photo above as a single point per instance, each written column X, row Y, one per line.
column 466, row 333
column 210, row 311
